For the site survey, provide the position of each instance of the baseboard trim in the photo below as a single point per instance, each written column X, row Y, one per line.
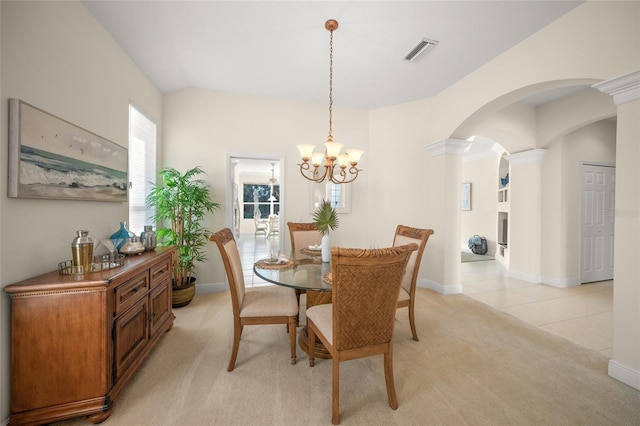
column 561, row 283
column 624, row 374
column 207, row 288
column 538, row 279
column 439, row 288
column 531, row 278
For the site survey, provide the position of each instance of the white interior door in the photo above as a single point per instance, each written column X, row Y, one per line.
column 598, row 202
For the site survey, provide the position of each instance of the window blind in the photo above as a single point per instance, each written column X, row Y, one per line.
column 142, row 167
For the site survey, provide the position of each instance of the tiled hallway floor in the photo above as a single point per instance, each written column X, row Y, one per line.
column 253, row 248
column 582, row 314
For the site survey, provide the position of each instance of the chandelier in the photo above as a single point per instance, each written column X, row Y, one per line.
column 330, row 165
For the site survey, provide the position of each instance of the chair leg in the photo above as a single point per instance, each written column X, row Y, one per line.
column 335, row 392
column 388, row 378
column 412, row 321
column 237, row 331
column 298, row 293
column 311, row 344
column 292, row 338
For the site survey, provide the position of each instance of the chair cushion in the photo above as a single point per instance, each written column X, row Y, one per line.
column 404, row 295
column 269, row 301
column 322, row 317
column 401, row 240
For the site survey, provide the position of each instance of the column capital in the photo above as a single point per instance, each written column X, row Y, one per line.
column 448, row 146
column 625, row 88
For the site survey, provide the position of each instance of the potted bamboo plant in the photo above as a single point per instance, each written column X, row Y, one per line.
column 325, row 218
column 182, row 201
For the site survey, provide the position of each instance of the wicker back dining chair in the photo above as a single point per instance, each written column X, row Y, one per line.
column 406, row 298
column 359, row 321
column 303, row 235
column 264, row 305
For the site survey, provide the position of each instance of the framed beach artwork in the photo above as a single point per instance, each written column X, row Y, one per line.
column 53, row 159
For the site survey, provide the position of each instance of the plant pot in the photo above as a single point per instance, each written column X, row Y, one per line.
column 183, row 295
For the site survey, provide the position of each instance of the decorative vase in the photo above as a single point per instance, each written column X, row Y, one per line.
column 123, row 233
column 325, row 247
column 148, row 238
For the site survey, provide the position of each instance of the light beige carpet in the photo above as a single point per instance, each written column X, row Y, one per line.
column 472, row 366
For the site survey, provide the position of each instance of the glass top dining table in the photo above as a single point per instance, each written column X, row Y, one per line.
column 302, row 272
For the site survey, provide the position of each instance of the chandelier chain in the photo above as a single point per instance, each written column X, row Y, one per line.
column 331, row 86
column 330, row 166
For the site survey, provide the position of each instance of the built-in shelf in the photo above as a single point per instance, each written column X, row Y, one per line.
column 502, row 237
column 503, row 195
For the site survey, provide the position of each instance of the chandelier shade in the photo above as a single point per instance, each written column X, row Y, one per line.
column 330, row 165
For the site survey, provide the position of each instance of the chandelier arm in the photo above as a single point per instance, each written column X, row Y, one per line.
column 315, row 175
column 353, row 172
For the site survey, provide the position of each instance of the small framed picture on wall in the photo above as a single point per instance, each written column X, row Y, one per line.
column 465, row 200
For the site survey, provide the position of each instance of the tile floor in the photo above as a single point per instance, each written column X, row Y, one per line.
column 254, row 248
column 582, row 314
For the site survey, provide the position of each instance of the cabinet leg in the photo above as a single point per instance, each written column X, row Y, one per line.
column 102, row 416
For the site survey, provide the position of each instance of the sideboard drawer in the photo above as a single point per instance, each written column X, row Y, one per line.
column 131, row 291
column 161, row 273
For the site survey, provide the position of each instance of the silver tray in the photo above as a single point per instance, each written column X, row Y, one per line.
column 100, row 263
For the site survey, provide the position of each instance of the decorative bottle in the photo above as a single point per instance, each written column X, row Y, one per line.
column 148, row 238
column 122, row 234
column 82, row 251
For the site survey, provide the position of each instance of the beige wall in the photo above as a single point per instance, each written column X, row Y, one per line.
column 625, row 364
column 594, row 143
column 56, row 57
column 203, row 126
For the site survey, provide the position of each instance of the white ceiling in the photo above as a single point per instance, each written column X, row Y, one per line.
column 281, row 48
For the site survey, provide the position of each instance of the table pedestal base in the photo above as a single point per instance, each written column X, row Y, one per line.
column 318, row 350
column 314, row 298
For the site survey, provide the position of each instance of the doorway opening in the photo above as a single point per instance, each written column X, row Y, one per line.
column 255, row 194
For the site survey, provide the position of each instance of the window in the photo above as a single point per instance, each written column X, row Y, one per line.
column 338, row 194
column 142, row 167
column 258, row 196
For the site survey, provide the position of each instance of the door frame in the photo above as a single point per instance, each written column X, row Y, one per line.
column 232, row 159
column 582, row 213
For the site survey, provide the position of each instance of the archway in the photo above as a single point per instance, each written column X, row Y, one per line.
column 540, row 128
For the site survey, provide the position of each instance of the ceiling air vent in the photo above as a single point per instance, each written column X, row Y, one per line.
column 421, row 49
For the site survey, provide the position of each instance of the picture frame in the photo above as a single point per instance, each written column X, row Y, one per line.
column 465, row 199
column 51, row 158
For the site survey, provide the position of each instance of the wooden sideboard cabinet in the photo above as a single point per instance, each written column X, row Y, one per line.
column 76, row 340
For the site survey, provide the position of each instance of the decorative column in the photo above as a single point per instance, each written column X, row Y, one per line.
column 525, row 216
column 447, row 166
column 625, row 364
